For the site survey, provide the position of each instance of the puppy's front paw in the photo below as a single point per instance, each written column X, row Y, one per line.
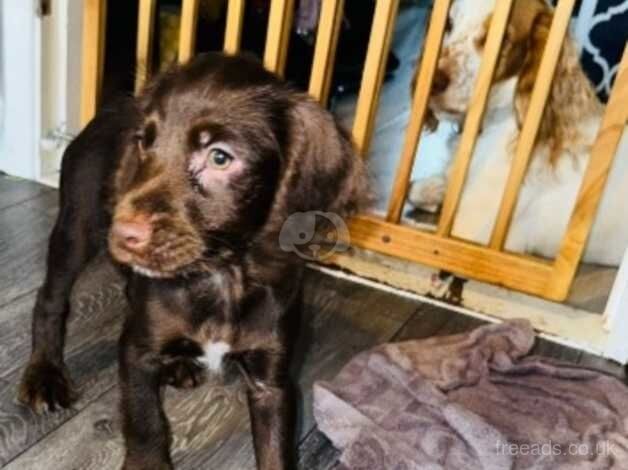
column 46, row 387
column 183, row 373
column 428, row 193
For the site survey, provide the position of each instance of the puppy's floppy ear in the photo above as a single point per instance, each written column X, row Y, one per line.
column 128, row 166
column 321, row 169
column 128, row 153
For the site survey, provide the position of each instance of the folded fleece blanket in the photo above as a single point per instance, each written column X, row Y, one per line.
column 473, row 401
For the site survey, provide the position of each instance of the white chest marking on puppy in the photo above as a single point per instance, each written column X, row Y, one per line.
column 214, row 353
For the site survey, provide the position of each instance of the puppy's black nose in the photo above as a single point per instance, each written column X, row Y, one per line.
column 440, row 82
column 134, row 235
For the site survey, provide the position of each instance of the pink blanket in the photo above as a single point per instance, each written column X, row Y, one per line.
column 473, row 401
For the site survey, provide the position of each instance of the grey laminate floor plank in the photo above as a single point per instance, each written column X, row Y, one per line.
column 432, row 320
column 98, row 306
column 210, row 424
column 603, row 365
column 341, row 319
column 24, row 231
column 14, row 190
column 94, row 373
column 98, row 300
column 550, row 349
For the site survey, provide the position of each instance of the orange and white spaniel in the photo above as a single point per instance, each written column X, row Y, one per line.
column 568, row 129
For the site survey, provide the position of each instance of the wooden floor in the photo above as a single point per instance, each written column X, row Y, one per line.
column 210, row 424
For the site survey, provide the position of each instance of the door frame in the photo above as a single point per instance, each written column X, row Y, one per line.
column 616, row 315
column 60, row 71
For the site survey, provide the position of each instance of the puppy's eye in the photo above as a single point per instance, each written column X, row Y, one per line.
column 219, row 159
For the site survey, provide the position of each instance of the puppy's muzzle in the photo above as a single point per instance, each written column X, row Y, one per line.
column 131, row 235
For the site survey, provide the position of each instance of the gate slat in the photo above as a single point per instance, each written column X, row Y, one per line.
column 233, row 29
column 93, row 56
column 532, row 122
column 462, row 258
column 187, row 35
column 144, row 42
column 373, row 74
column 475, row 114
column 278, row 36
column 429, row 61
column 325, row 49
column 593, row 184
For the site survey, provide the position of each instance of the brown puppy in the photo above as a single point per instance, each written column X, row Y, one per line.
column 189, row 186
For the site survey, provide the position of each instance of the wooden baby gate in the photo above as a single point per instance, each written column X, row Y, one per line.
column 548, row 279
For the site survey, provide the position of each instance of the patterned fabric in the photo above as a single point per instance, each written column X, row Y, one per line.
column 472, row 401
column 603, row 45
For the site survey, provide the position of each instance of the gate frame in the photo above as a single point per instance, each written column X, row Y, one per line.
column 544, row 278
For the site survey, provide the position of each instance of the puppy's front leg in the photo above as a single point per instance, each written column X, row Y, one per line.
column 46, row 382
column 145, row 426
column 272, row 406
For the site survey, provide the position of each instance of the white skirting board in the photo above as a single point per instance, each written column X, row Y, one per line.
column 616, row 315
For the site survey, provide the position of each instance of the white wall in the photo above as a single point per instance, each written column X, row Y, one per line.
column 39, row 83
column 19, row 82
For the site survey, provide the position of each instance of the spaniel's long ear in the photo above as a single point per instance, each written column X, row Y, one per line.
column 527, row 37
column 321, row 171
column 572, row 95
